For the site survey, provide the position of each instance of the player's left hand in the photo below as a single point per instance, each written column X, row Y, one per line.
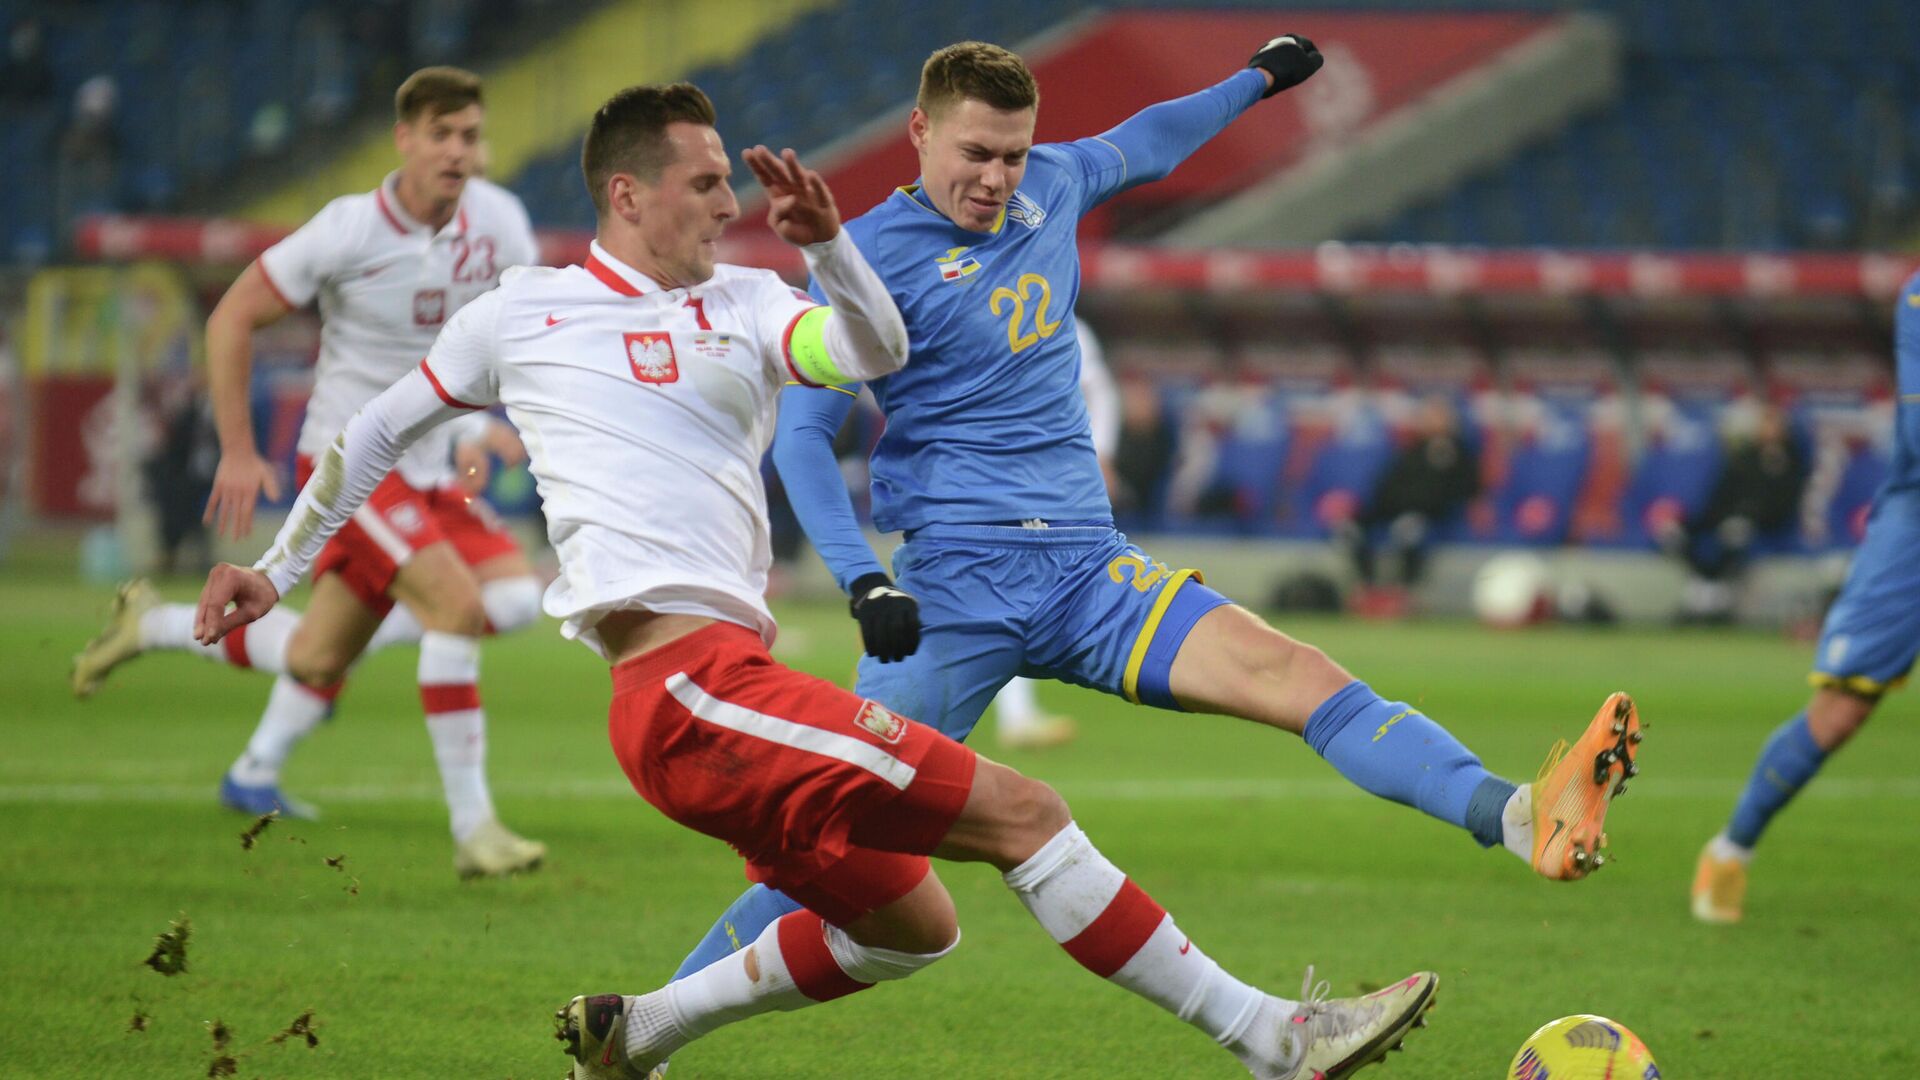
column 889, row 618
column 1288, row 60
column 800, row 208
column 248, row 590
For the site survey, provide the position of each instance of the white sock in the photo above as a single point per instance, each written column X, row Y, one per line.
column 1516, row 823
column 823, row 964
column 1015, row 705
column 292, row 712
column 1100, row 917
column 1723, row 847
column 449, row 674
column 510, row 604
column 260, row 644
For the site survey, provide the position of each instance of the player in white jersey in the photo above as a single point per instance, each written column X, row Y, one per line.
column 1020, row 723
column 645, row 384
column 388, row 267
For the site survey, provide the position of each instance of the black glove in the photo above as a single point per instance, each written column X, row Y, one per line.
column 889, row 618
column 1290, row 59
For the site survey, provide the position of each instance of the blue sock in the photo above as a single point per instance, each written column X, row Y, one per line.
column 1787, row 762
column 1396, row 753
column 754, row 911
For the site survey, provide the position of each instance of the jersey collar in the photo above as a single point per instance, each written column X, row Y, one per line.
column 914, row 194
column 617, row 275
column 387, row 195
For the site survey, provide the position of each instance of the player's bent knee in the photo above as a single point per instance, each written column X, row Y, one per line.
column 871, row 964
column 1835, row 715
column 1035, row 814
column 456, row 611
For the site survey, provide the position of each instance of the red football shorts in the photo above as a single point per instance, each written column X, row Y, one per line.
column 398, row 520
column 831, row 798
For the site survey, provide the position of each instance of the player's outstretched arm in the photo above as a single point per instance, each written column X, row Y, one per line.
column 249, row 303
column 860, row 335
column 343, row 478
column 803, row 455
column 1153, row 141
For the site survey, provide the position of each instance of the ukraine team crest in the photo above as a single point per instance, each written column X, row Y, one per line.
column 651, row 355
column 884, row 725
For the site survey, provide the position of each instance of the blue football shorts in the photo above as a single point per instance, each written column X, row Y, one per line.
column 1079, row 604
column 1872, row 632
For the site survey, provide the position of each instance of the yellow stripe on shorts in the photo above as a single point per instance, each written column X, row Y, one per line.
column 1857, row 685
column 1131, row 684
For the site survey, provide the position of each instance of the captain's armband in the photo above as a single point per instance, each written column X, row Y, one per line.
column 805, row 350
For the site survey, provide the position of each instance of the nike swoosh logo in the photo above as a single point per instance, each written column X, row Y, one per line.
column 551, row 321
column 1185, row 945
column 1558, row 827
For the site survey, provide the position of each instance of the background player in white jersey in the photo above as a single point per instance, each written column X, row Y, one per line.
column 1020, row 722
column 389, row 267
column 646, row 383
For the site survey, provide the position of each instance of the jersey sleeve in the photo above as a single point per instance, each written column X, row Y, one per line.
column 1152, row 142
column 775, row 308
column 857, row 335
column 300, row 264
column 462, row 365
column 803, row 454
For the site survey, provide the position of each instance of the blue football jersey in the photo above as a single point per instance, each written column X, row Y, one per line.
column 987, row 423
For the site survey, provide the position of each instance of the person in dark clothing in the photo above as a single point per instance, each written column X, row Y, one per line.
column 180, row 477
column 1758, row 492
column 1144, row 452
column 1430, row 480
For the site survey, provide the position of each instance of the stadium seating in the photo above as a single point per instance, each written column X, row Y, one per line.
column 204, row 87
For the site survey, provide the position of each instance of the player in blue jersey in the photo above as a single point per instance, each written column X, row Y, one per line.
column 987, row 466
column 1867, row 646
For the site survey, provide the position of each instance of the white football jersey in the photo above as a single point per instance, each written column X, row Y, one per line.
column 386, row 286
column 645, row 412
column 1097, row 386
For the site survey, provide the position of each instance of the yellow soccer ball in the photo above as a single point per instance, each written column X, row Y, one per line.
column 1583, row 1047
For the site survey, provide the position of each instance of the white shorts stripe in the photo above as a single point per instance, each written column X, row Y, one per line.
column 787, row 733
column 382, row 534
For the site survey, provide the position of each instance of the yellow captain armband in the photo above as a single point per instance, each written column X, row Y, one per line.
column 805, row 349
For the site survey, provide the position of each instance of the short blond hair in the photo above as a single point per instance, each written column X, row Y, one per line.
column 435, row 91
column 975, row 69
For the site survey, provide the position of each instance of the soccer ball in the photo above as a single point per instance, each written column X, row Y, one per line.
column 1583, row 1047
column 1511, row 590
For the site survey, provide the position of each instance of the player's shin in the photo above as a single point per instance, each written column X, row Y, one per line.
column 1118, row 932
column 1395, row 752
column 742, row 922
column 795, row 962
column 293, row 711
column 1789, row 760
column 449, row 675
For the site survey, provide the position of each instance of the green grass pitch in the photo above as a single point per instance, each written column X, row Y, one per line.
column 1267, row 858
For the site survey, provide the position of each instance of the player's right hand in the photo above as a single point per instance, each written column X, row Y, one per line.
column 889, row 618
column 237, row 484
column 248, row 590
column 1290, row 58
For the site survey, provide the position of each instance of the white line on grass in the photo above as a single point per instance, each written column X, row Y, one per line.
column 1158, row 789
